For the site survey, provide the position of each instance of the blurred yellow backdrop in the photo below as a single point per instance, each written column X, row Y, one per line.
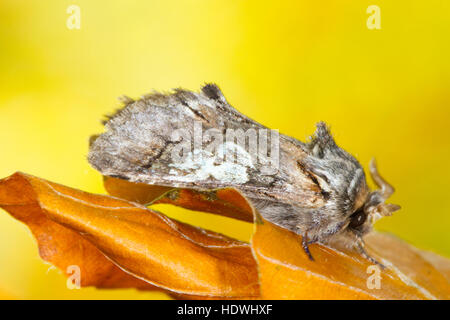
column 287, row 64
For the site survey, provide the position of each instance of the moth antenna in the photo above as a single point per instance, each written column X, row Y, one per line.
column 386, row 189
column 387, row 209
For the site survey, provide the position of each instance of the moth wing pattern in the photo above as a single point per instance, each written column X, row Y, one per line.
column 138, row 145
column 315, row 187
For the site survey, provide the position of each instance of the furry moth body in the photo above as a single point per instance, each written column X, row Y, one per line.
column 319, row 190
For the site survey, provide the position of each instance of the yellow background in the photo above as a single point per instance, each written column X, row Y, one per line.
column 287, row 64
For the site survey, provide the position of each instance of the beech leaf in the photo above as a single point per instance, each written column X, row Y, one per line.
column 227, row 202
column 286, row 272
column 117, row 243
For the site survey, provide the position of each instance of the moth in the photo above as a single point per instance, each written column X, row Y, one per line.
column 318, row 190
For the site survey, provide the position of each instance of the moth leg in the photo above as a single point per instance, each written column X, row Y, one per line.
column 361, row 248
column 305, row 245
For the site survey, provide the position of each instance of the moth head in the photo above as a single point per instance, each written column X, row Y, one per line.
column 374, row 206
column 342, row 178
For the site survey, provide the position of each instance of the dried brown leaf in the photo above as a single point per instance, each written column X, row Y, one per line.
column 117, row 243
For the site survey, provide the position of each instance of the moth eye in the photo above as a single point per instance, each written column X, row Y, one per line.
column 357, row 219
